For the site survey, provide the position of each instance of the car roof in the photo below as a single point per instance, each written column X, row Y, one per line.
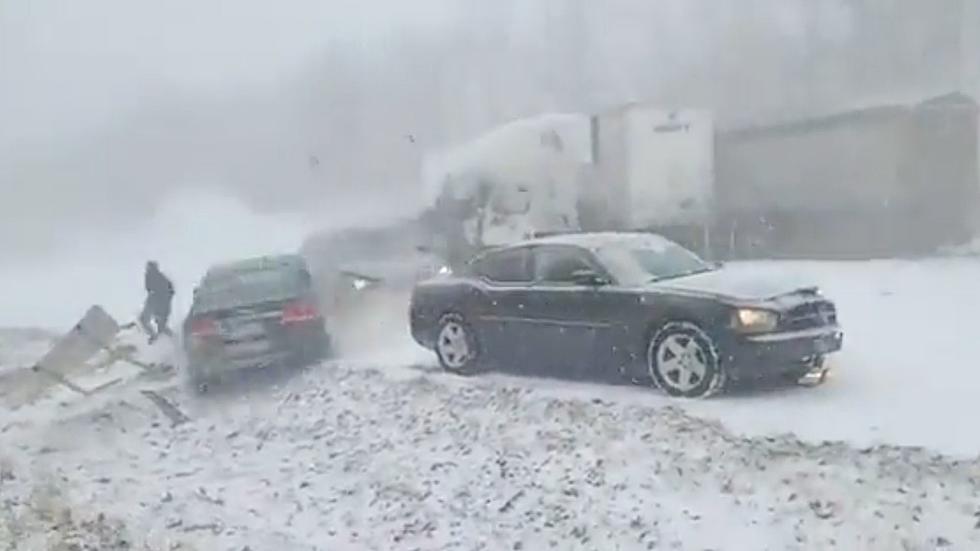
column 595, row 240
column 268, row 262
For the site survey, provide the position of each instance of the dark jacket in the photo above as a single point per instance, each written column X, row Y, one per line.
column 157, row 284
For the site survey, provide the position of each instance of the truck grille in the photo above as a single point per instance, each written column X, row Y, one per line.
column 810, row 315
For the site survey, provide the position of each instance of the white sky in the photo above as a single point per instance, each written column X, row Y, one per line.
column 69, row 65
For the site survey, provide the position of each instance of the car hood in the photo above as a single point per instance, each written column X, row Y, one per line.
column 740, row 285
column 403, row 269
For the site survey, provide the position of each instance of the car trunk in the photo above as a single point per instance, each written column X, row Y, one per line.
column 270, row 329
column 254, row 330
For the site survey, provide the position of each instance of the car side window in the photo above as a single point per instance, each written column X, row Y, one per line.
column 559, row 264
column 508, row 266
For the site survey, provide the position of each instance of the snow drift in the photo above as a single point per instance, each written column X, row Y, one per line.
column 351, row 458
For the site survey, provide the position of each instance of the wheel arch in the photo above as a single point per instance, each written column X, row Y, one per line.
column 473, row 362
column 431, row 302
column 706, row 316
column 713, row 377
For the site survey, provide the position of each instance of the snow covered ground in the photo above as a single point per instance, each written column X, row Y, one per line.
column 354, row 458
column 382, row 451
column 908, row 372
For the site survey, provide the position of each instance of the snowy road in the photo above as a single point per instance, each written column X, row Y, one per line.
column 369, row 453
column 909, row 371
column 356, row 459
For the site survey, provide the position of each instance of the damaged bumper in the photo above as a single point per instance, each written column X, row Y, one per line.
column 769, row 354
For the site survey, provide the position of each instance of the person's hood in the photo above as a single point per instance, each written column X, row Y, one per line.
column 738, row 285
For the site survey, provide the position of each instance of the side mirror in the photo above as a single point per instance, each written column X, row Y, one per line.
column 425, row 249
column 588, row 277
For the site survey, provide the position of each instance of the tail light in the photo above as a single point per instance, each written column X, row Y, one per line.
column 298, row 312
column 204, row 327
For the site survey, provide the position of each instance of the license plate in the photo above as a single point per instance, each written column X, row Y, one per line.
column 250, row 348
column 243, row 330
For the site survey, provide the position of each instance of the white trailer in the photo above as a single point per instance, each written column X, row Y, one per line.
column 636, row 167
column 653, row 168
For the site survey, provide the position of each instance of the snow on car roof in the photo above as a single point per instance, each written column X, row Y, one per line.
column 596, row 240
column 256, row 264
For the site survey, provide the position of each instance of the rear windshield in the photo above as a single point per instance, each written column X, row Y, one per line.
column 235, row 289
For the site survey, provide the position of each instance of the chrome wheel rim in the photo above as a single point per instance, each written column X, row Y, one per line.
column 681, row 362
column 454, row 346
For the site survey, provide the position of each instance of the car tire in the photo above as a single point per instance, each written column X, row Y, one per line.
column 198, row 381
column 457, row 346
column 199, row 378
column 319, row 349
column 326, row 347
column 683, row 361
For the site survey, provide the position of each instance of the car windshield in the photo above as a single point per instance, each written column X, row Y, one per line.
column 639, row 264
column 235, row 289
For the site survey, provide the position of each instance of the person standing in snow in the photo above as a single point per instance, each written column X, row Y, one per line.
column 159, row 295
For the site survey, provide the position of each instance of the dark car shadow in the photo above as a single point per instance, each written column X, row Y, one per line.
column 244, row 382
column 559, row 375
column 742, row 389
column 756, row 388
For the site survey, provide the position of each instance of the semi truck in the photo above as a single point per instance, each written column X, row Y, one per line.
column 878, row 182
column 633, row 168
column 882, row 181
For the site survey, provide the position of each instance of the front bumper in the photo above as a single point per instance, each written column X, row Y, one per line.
column 771, row 354
column 345, row 298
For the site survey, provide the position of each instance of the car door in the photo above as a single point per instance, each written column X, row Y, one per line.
column 505, row 277
column 568, row 319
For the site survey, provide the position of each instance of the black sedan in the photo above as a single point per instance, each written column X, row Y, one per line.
column 634, row 305
column 254, row 313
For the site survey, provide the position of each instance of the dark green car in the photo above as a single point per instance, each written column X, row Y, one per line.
column 254, row 313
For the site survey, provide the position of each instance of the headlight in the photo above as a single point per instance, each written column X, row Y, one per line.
column 755, row 321
column 359, row 284
column 444, row 270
